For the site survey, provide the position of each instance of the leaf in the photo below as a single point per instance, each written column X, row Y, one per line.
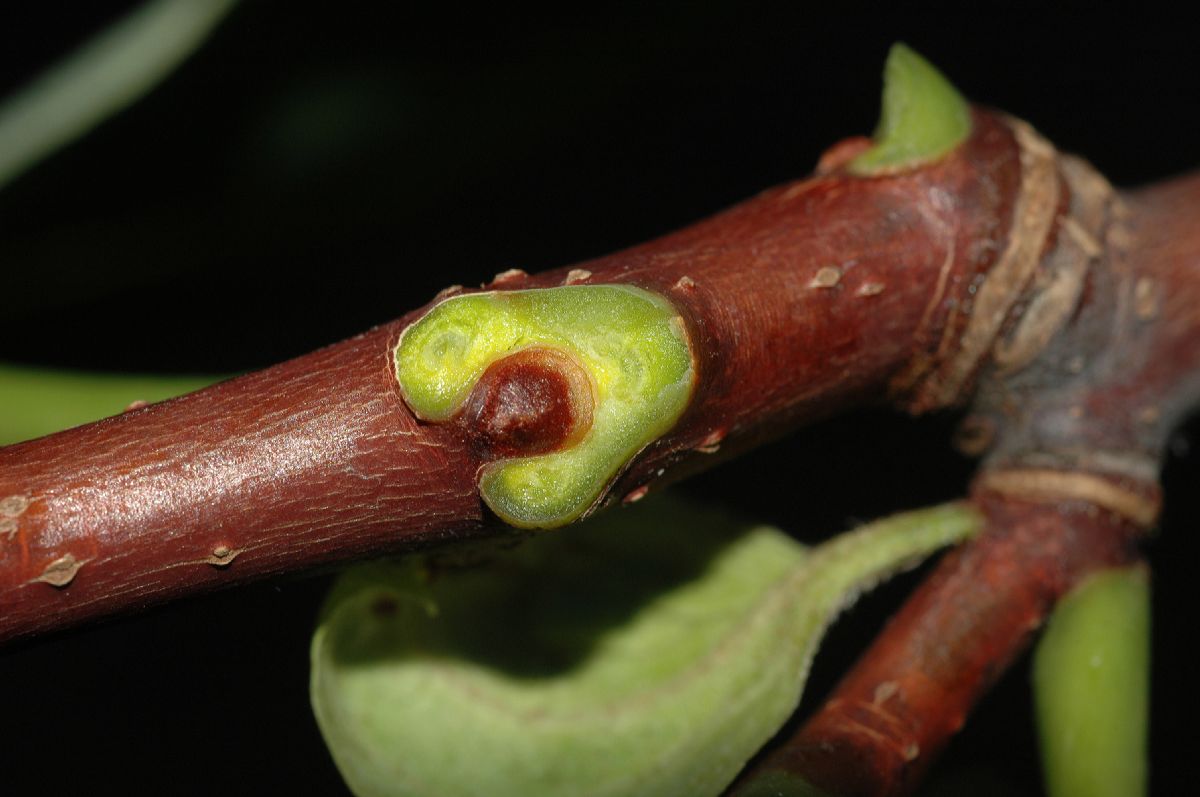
column 103, row 76
column 647, row 652
column 923, row 116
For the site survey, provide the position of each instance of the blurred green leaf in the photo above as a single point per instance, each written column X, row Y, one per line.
column 36, row 402
column 103, row 76
column 650, row 651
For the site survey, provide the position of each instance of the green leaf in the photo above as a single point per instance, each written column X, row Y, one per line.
column 648, row 652
column 105, row 75
column 923, row 116
column 1091, row 682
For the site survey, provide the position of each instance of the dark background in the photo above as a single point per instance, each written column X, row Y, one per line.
column 318, row 168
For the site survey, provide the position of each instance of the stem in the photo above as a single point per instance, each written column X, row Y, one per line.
column 1075, row 435
column 807, row 299
column 911, row 691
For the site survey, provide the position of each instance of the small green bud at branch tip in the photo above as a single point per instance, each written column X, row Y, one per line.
column 923, row 117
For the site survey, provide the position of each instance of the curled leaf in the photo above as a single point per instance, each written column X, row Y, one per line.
column 647, row 652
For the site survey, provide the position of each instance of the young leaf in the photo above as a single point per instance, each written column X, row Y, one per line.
column 923, row 116
column 647, row 652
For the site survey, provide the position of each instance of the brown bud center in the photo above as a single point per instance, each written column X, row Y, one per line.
column 534, row 401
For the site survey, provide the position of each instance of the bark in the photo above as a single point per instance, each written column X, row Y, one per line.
column 1074, row 438
column 888, row 719
column 1004, row 266
column 809, row 298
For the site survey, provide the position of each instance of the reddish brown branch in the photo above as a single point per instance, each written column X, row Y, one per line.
column 912, row 689
column 1074, row 435
column 806, row 299
column 1005, row 272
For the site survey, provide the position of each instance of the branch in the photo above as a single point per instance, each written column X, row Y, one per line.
column 810, row 298
column 888, row 719
column 1074, row 437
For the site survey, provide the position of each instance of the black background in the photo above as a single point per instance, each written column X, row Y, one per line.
column 319, row 168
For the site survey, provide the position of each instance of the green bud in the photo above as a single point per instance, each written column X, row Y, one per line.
column 648, row 653
column 1091, row 683
column 923, row 116
column 630, row 343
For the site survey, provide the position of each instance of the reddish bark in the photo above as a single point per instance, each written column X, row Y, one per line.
column 806, row 299
column 894, row 712
column 1005, row 266
column 1074, row 438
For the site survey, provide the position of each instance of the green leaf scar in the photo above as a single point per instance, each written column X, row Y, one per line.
column 559, row 387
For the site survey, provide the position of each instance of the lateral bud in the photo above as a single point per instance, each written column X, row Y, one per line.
column 560, row 387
